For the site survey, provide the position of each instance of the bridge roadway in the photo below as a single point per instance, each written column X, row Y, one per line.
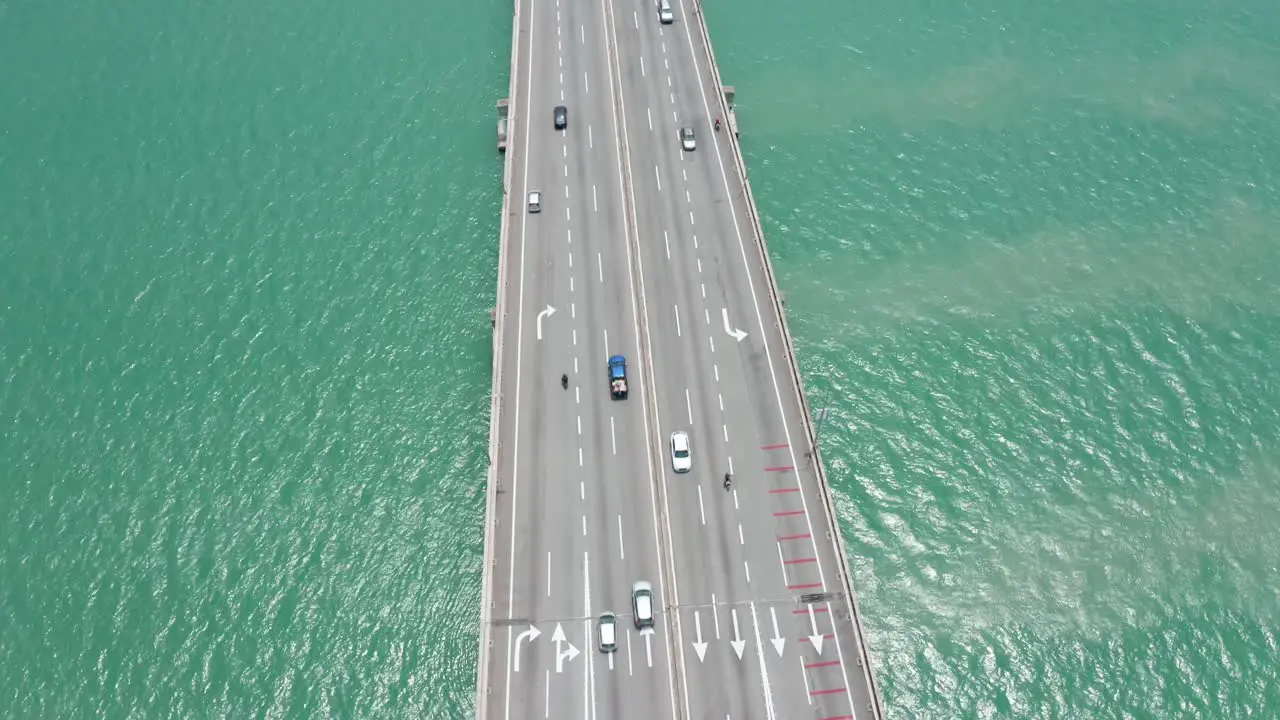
column 645, row 250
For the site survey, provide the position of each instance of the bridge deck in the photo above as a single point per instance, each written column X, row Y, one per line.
column 649, row 250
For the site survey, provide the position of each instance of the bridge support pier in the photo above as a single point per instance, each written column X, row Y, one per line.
column 502, row 124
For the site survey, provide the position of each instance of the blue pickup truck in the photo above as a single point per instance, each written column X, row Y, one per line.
column 618, row 377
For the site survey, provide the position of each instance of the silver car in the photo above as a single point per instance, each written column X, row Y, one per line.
column 686, row 139
column 681, row 460
column 608, row 632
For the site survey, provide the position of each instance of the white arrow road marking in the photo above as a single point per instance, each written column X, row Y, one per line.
column 552, row 311
column 648, row 647
column 560, row 641
column 728, row 329
column 699, row 646
column 531, row 634
column 737, row 642
column 777, row 637
column 816, row 638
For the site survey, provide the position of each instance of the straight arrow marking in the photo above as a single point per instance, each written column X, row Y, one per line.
column 777, row 640
column 737, row 642
column 699, row 647
column 816, row 637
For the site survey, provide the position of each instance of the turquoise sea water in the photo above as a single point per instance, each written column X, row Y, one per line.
column 247, row 252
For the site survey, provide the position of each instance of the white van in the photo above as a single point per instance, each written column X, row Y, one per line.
column 665, row 16
column 535, row 202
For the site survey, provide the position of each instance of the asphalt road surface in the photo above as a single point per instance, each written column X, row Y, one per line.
column 644, row 249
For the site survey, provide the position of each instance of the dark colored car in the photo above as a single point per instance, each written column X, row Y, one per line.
column 562, row 117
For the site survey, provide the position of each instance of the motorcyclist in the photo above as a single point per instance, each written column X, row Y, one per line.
column 717, row 124
column 564, row 381
column 728, row 480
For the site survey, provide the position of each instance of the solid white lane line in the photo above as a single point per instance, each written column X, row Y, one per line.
column 677, row 314
column 548, row 573
column 745, row 567
column 546, row 706
column 595, row 202
column 688, row 405
column 715, row 614
column 666, row 241
column 635, row 271
column 702, row 510
column 630, row 668
column 657, row 177
column 764, row 671
column 649, row 115
column 741, row 541
column 515, row 470
column 622, row 551
column 588, row 677
column 600, row 267
column 613, row 438
column 808, row 691
column 641, row 67
column 782, row 562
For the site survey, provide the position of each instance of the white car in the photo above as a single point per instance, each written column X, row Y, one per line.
column 681, row 461
column 686, row 139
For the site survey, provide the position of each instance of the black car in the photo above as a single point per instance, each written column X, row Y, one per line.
column 562, row 117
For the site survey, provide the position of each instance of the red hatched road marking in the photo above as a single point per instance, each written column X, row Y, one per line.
column 775, row 491
column 806, row 612
column 832, row 691
column 828, row 636
column 797, row 561
column 825, row 663
column 805, row 536
column 837, row 717
column 781, row 468
column 804, row 586
column 785, row 513
column 778, row 446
